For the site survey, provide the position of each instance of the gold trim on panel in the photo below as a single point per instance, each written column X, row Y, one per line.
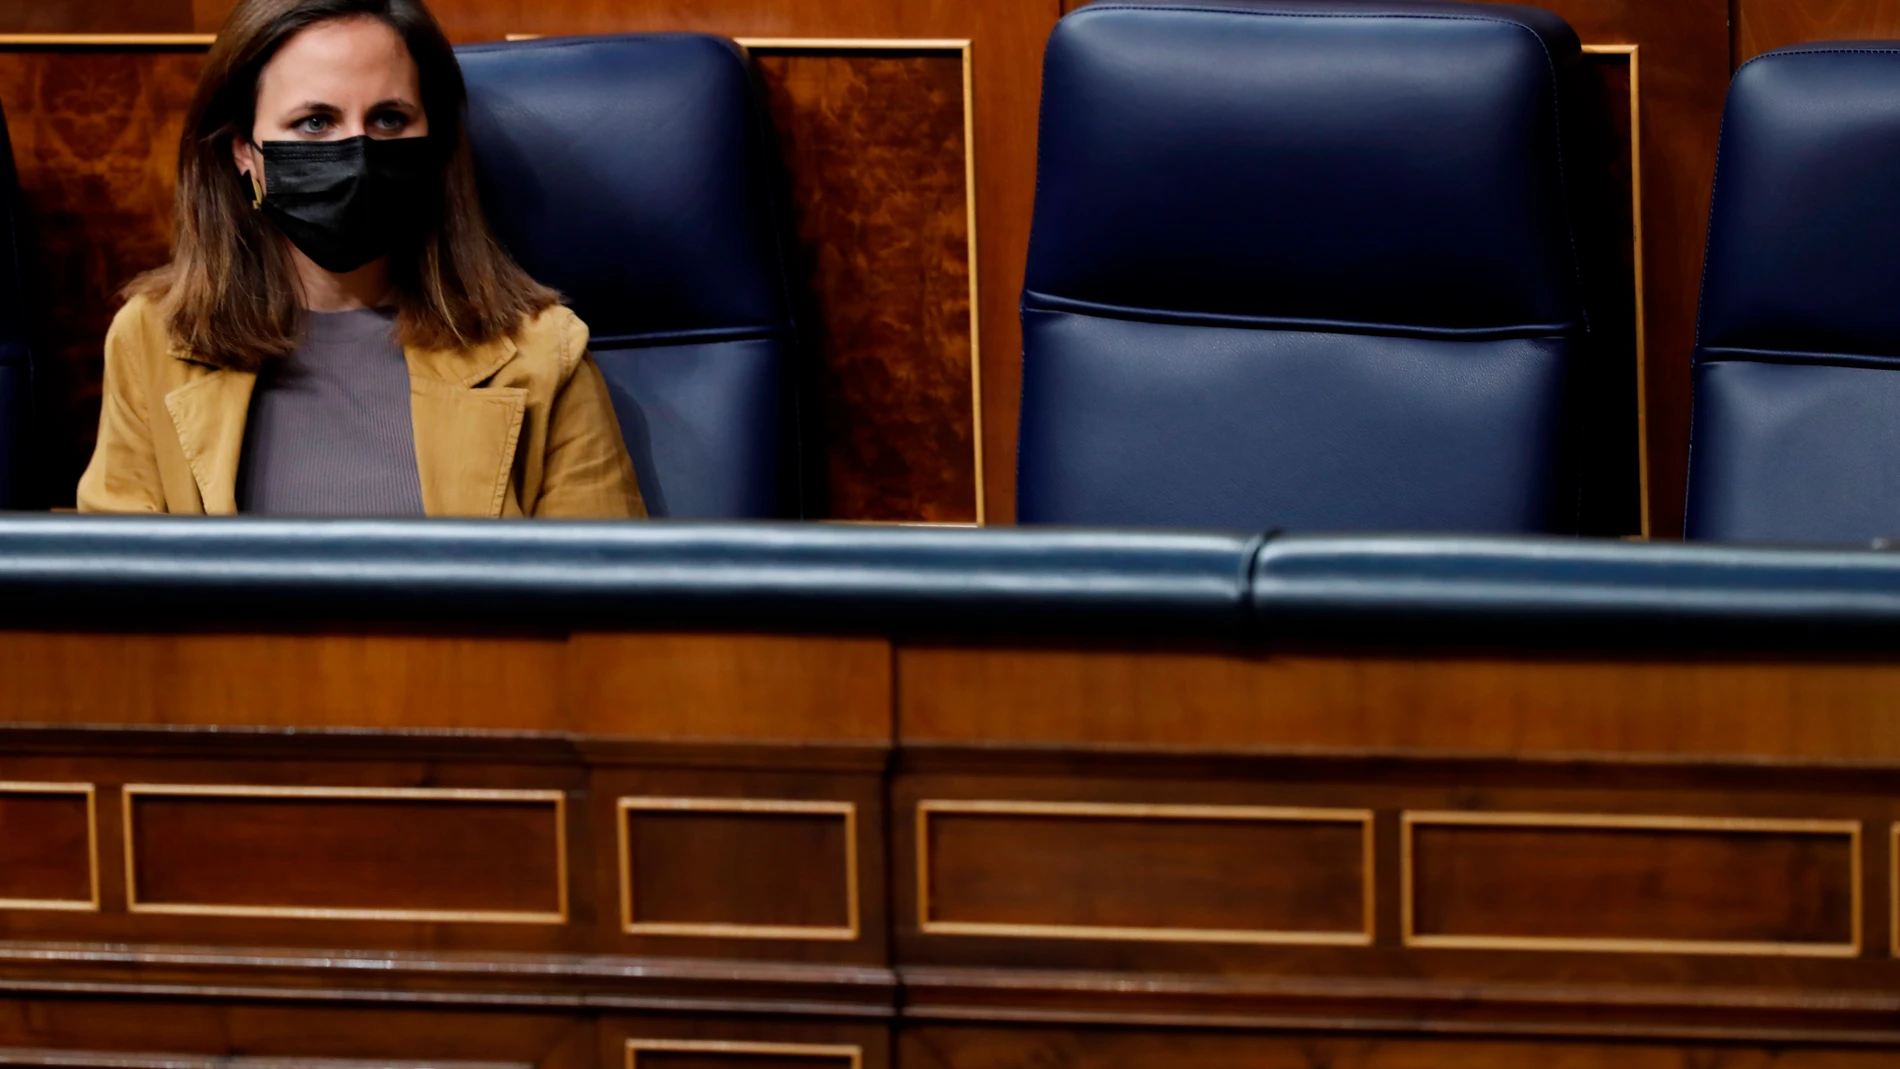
column 848, row 1051
column 859, row 44
column 107, row 40
column 423, row 794
column 1893, row 889
column 1636, row 256
column 1616, row 821
column 714, row 930
column 1085, row 810
column 72, row 905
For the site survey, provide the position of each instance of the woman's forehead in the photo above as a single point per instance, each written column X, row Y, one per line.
column 343, row 63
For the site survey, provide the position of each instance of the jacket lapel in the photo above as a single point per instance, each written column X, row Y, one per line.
column 209, row 414
column 465, row 434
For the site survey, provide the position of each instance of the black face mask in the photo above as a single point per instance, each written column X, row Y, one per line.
column 346, row 203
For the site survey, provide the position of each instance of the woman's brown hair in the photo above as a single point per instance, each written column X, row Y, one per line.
column 230, row 293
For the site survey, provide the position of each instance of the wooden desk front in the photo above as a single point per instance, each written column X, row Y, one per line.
column 706, row 851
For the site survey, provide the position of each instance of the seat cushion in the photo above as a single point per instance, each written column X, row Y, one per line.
column 1153, row 423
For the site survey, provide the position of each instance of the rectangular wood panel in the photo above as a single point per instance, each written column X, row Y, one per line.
column 1173, row 873
column 1642, row 884
column 740, row 868
column 978, row 1047
column 347, row 853
column 48, row 847
column 733, row 1054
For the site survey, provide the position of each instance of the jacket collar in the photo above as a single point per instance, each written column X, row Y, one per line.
column 465, row 434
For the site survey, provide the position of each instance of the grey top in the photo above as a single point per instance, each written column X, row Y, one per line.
column 329, row 432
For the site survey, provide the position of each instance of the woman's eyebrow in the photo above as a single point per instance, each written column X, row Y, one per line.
column 392, row 102
column 319, row 106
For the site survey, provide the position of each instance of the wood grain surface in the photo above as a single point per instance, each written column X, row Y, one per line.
column 1764, row 24
column 1761, row 890
column 1816, row 710
column 874, row 145
column 645, row 686
column 46, row 853
column 95, row 139
column 996, row 1048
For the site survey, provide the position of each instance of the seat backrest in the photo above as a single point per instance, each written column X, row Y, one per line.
column 634, row 174
column 1796, row 432
column 1305, row 264
column 16, row 371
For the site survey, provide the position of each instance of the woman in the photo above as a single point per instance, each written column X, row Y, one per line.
column 338, row 332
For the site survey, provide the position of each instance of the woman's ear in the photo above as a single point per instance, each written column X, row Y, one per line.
column 247, row 158
column 250, row 164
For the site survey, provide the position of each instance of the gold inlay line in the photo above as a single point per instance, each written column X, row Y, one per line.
column 556, row 799
column 107, row 40
column 846, row 811
column 1410, row 819
column 72, row 905
column 1636, row 256
column 1143, row 811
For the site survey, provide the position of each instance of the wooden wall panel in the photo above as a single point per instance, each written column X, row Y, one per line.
column 184, row 1034
column 726, row 1054
column 95, row 138
column 1225, row 874
column 734, row 687
column 1519, row 881
column 874, row 144
column 633, row 1043
column 1764, row 24
column 90, row 16
column 347, row 854
column 687, row 867
column 48, row 858
column 1822, row 711
column 973, row 1047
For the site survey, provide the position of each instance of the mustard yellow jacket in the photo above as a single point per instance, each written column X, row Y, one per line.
column 518, row 427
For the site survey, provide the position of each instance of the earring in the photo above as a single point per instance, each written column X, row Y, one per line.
column 257, row 190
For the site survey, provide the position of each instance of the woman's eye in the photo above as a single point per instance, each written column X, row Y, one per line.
column 390, row 120
column 314, row 124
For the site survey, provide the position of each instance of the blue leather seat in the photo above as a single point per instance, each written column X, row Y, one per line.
column 634, row 174
column 16, row 371
column 1796, row 434
column 1306, row 264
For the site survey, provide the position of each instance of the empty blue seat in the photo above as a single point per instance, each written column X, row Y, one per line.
column 1302, row 264
column 1796, row 433
column 635, row 174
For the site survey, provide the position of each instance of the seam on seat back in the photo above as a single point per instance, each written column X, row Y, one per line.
column 1045, row 304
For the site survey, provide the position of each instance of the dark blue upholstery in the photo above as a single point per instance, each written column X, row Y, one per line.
column 1364, row 592
column 1796, row 435
column 16, row 373
column 229, row 572
column 1302, row 264
column 633, row 174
